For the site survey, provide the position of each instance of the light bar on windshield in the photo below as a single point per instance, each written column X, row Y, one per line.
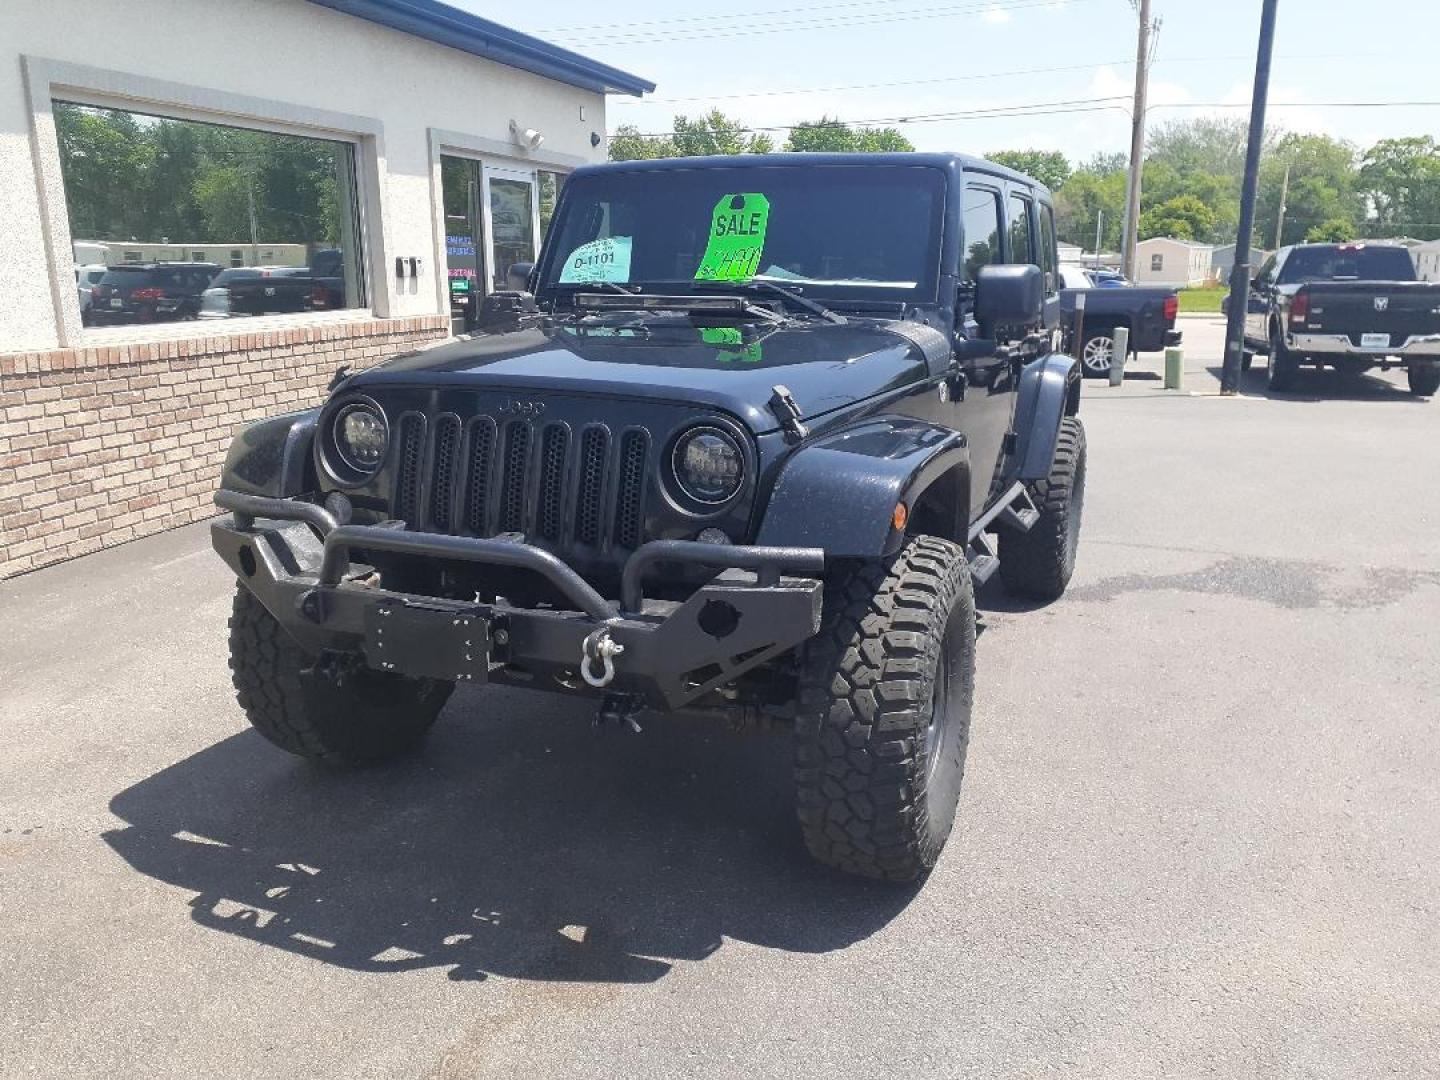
column 729, row 305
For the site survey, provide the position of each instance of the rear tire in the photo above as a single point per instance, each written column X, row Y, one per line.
column 1039, row 563
column 1424, row 379
column 362, row 716
column 1284, row 365
column 884, row 714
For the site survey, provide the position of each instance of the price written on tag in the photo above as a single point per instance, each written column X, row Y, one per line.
column 737, row 238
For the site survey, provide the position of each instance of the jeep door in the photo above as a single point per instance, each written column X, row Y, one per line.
column 996, row 228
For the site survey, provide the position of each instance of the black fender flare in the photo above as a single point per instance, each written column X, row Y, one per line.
column 1049, row 391
column 273, row 457
column 840, row 491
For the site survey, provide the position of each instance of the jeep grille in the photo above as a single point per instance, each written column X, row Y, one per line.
column 553, row 485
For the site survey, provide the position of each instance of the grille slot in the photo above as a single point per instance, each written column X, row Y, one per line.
column 443, row 471
column 407, row 483
column 554, row 447
column 477, row 483
column 512, row 494
column 594, row 448
column 634, row 447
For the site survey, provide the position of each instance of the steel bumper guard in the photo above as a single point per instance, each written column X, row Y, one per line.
column 296, row 559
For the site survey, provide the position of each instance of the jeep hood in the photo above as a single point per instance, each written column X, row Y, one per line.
column 825, row 366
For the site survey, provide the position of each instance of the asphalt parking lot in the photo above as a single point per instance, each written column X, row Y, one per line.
column 1200, row 832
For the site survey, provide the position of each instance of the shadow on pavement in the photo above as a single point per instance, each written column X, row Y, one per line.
column 1313, row 386
column 519, row 842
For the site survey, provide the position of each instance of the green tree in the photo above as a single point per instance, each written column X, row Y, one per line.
column 1334, row 231
column 1401, row 179
column 834, row 135
column 1050, row 167
column 1080, row 204
column 105, row 158
column 1202, row 144
column 1184, row 218
column 1322, row 187
column 701, row 136
column 628, row 144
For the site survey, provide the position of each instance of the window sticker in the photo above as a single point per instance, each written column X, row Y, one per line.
column 607, row 259
column 737, row 238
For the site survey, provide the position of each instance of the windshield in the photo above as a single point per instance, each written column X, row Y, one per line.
column 1352, row 263
column 834, row 231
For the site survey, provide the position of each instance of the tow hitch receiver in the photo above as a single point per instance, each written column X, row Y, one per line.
column 425, row 641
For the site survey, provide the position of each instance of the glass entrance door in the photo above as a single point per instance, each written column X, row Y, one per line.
column 513, row 218
column 460, row 184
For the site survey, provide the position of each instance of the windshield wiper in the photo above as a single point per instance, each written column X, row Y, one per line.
column 753, row 284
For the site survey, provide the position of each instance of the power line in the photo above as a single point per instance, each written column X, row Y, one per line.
column 867, row 86
column 730, row 16
column 1034, row 108
column 844, row 22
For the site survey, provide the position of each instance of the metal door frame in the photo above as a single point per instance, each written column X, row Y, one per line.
column 520, row 174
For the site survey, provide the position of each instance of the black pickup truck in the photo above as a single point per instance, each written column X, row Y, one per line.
column 1148, row 313
column 277, row 290
column 1348, row 306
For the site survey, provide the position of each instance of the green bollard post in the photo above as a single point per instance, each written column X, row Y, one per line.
column 1174, row 368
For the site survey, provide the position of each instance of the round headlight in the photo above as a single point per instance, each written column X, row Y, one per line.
column 709, row 465
column 361, row 437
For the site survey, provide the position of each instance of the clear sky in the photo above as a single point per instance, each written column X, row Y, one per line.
column 793, row 60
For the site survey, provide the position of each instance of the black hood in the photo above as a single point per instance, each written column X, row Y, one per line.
column 666, row 357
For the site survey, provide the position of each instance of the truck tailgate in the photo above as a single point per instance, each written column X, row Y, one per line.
column 1401, row 309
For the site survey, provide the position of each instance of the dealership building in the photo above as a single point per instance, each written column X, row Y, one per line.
column 209, row 208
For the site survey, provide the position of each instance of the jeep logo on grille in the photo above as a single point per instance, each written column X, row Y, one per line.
column 1382, row 303
column 516, row 407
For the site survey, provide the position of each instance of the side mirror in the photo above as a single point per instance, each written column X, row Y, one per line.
column 1257, row 284
column 517, row 278
column 1009, row 296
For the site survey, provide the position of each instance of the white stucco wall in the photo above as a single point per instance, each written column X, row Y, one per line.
column 311, row 67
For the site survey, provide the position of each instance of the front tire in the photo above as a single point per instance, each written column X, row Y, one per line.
column 884, row 714
column 1039, row 563
column 356, row 716
column 1424, row 378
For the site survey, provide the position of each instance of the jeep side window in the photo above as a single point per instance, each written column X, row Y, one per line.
column 1022, row 243
column 982, row 230
column 1048, row 257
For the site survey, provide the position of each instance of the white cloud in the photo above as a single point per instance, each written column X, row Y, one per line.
column 995, row 15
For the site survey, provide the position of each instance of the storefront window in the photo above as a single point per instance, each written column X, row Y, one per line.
column 265, row 223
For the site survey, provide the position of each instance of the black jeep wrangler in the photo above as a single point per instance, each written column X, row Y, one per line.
column 746, row 445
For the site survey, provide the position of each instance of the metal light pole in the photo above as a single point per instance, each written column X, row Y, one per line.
column 1240, row 274
column 1137, row 144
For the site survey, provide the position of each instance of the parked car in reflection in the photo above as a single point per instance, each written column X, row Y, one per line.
column 86, row 278
column 150, row 292
column 256, row 290
column 277, row 290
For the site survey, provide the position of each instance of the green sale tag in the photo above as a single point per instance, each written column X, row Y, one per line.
column 737, row 238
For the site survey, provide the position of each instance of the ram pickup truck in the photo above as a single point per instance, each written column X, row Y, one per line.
column 1147, row 312
column 754, row 435
column 277, row 290
column 1351, row 307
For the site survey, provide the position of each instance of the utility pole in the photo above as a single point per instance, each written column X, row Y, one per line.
column 1240, row 275
column 1280, row 222
column 1099, row 233
column 1137, row 141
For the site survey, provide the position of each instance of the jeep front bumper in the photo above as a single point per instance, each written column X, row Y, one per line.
column 1415, row 347
column 297, row 561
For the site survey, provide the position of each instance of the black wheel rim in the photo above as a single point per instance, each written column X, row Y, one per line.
column 945, row 735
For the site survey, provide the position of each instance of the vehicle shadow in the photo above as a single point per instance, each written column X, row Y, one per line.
column 1314, row 386
column 519, row 842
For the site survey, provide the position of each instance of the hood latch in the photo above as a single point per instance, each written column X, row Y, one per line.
column 782, row 404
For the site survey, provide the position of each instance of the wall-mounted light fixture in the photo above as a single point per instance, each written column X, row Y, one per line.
column 529, row 138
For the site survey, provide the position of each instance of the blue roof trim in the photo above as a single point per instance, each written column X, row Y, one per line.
column 446, row 25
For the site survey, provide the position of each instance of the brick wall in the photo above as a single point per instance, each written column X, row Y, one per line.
column 101, row 445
